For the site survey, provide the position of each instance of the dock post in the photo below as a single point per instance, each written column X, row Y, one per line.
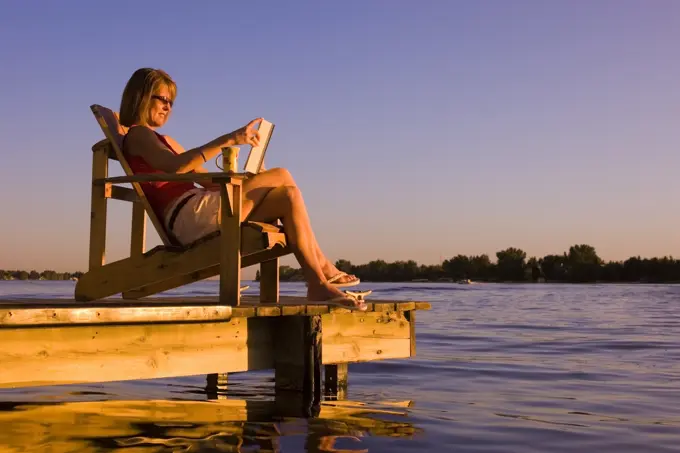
column 297, row 363
column 216, row 385
column 335, row 381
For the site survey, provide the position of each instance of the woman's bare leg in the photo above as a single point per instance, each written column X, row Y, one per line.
column 255, row 189
column 273, row 201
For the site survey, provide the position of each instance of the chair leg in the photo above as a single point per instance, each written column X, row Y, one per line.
column 269, row 281
column 230, row 243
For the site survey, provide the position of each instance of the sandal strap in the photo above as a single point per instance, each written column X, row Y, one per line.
column 337, row 277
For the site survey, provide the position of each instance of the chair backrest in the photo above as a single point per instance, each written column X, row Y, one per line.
column 114, row 132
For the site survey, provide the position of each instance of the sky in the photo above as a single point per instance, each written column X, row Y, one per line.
column 415, row 129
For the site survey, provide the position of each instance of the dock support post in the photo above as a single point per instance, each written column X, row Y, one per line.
column 297, row 363
column 411, row 317
column 335, row 381
column 216, row 385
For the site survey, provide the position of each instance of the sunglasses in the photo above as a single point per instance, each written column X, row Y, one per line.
column 165, row 100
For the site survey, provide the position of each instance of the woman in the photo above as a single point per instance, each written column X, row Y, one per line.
column 191, row 212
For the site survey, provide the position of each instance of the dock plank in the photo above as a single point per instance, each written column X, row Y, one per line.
column 359, row 337
column 45, row 312
column 13, row 317
column 77, row 354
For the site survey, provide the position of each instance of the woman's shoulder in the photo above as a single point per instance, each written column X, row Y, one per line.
column 139, row 130
column 172, row 143
column 141, row 137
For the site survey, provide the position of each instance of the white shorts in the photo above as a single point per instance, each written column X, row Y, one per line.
column 198, row 217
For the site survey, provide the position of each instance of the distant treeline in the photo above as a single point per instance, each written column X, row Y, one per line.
column 35, row 275
column 579, row 265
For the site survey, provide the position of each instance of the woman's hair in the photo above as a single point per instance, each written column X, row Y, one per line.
column 144, row 83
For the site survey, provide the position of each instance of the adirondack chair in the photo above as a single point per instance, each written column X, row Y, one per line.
column 171, row 265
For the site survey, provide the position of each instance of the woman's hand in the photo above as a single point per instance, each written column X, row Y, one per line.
column 247, row 135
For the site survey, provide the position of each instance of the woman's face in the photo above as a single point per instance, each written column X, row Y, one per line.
column 161, row 106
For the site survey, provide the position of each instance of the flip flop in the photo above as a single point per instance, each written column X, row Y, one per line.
column 351, row 297
column 338, row 276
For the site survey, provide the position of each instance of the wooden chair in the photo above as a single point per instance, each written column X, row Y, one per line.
column 171, row 265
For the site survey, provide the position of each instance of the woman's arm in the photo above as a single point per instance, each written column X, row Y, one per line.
column 143, row 142
column 200, row 169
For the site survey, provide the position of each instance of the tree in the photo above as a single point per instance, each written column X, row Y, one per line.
column 554, row 267
column 400, row 271
column 612, row 271
column 534, row 272
column 510, row 265
column 480, row 267
column 457, row 267
column 584, row 264
column 288, row 273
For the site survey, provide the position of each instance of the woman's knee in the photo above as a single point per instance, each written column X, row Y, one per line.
column 291, row 192
column 283, row 176
column 284, row 199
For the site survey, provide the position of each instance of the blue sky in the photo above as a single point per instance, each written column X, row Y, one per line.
column 416, row 130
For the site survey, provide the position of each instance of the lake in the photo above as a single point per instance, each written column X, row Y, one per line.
column 499, row 368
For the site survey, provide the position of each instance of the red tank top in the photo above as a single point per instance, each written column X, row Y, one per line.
column 160, row 194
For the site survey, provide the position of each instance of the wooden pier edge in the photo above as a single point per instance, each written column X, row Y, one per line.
column 58, row 342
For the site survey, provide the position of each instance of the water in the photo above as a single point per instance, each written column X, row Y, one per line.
column 499, row 368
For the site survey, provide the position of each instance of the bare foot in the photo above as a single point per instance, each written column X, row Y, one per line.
column 323, row 292
column 330, row 271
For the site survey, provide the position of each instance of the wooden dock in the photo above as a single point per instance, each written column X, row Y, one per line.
column 61, row 341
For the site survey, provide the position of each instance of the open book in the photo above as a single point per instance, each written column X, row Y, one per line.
column 256, row 155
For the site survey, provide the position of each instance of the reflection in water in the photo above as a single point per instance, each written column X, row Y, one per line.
column 196, row 426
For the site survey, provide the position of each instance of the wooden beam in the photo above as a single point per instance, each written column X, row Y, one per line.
column 216, row 177
column 359, row 337
column 138, row 231
column 269, row 281
column 52, row 316
column 160, row 265
column 105, row 145
column 297, row 363
column 411, row 317
column 120, row 193
column 81, row 354
column 35, row 312
column 184, row 279
column 100, row 169
column 297, row 347
column 335, row 381
column 230, row 244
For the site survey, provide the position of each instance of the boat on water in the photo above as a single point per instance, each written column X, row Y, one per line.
column 465, row 281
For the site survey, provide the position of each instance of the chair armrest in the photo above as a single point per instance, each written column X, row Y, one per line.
column 216, row 177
